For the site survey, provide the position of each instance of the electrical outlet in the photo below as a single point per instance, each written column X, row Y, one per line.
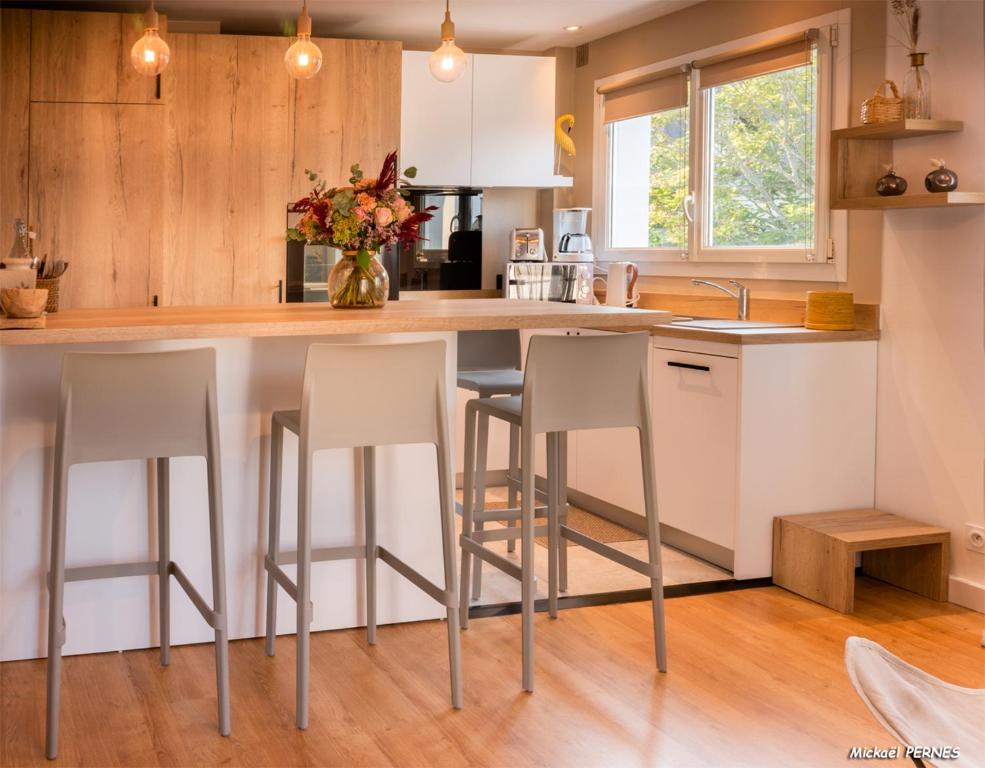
column 974, row 538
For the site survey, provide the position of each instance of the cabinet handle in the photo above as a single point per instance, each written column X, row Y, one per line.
column 280, row 291
column 689, row 366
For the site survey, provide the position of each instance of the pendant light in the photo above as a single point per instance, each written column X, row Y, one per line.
column 303, row 59
column 448, row 62
column 150, row 54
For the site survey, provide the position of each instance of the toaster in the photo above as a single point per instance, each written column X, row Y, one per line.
column 527, row 244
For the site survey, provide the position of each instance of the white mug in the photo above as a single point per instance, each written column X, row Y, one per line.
column 621, row 283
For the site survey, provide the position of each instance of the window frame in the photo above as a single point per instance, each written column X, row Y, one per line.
column 827, row 261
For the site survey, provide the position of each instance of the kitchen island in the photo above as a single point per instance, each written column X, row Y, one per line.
column 260, row 360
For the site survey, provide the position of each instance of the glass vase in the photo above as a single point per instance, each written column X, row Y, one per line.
column 916, row 88
column 352, row 286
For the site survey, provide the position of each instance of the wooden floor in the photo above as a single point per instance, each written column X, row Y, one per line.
column 755, row 678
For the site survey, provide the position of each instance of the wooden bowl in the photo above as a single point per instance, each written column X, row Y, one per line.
column 23, row 302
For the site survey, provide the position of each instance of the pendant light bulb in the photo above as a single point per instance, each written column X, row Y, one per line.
column 448, row 62
column 303, row 59
column 150, row 54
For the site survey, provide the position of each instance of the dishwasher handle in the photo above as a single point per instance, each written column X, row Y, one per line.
column 689, row 366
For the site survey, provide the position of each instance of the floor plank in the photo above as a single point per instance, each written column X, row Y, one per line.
column 756, row 677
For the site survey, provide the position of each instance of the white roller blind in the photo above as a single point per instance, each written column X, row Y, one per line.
column 770, row 57
column 645, row 95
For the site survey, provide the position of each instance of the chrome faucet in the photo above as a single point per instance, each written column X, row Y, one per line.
column 740, row 294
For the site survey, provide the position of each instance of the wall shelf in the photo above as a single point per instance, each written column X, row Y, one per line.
column 898, row 129
column 923, row 200
column 860, row 154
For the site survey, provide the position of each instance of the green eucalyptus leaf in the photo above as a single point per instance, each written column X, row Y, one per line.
column 294, row 234
column 411, row 173
column 342, row 201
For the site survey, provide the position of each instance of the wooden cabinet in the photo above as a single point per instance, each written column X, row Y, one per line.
column 348, row 113
column 15, row 67
column 178, row 186
column 228, row 169
column 96, row 198
column 512, row 121
column 436, row 123
column 85, row 57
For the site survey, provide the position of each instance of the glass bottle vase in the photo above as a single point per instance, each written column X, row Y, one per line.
column 916, row 88
column 352, row 286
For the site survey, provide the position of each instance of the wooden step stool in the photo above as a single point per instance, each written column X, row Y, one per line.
column 814, row 554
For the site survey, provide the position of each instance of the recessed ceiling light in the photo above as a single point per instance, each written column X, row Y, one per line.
column 572, row 28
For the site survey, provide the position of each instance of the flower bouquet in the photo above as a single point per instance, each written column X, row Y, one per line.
column 359, row 220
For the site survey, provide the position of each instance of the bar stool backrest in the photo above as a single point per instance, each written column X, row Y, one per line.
column 489, row 350
column 586, row 382
column 137, row 405
column 373, row 394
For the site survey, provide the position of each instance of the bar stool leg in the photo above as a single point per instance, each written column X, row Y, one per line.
column 480, row 495
column 468, row 493
column 369, row 503
column 447, row 503
column 553, row 529
column 56, row 594
column 527, row 583
column 512, row 481
column 164, row 557
column 562, row 476
column 273, row 529
column 653, row 541
column 304, row 586
column 213, row 469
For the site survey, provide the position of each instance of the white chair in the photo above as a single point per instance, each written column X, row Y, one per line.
column 489, row 365
column 152, row 405
column 403, row 387
column 570, row 383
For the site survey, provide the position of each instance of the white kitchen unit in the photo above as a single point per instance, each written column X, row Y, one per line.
column 513, row 121
column 493, row 127
column 743, row 433
column 436, row 123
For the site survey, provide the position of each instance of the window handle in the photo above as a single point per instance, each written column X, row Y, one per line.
column 688, row 206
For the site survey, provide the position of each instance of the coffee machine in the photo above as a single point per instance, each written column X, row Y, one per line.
column 571, row 240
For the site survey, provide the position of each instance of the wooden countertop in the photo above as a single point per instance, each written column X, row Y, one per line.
column 76, row 326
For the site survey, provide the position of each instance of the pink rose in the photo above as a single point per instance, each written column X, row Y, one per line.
column 360, row 213
column 383, row 216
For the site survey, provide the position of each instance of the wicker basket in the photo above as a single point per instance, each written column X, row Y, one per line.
column 51, row 283
column 883, row 109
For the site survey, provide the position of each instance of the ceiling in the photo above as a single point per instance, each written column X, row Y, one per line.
column 521, row 25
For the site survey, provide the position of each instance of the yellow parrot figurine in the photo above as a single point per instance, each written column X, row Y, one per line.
column 561, row 137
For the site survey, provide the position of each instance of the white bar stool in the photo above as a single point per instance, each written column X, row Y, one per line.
column 414, row 412
column 571, row 383
column 151, row 405
column 489, row 365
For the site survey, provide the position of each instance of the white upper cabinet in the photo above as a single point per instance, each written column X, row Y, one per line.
column 436, row 123
column 513, row 121
column 493, row 127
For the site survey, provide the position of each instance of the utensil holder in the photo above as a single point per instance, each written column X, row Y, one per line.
column 52, row 284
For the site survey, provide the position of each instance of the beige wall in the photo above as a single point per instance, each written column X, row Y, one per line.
column 930, row 439
column 718, row 21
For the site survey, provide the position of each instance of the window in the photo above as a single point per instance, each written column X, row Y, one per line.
column 719, row 157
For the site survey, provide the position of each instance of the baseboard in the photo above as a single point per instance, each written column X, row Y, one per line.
column 672, row 537
column 966, row 593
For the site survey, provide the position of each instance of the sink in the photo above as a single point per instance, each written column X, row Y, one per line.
column 719, row 324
